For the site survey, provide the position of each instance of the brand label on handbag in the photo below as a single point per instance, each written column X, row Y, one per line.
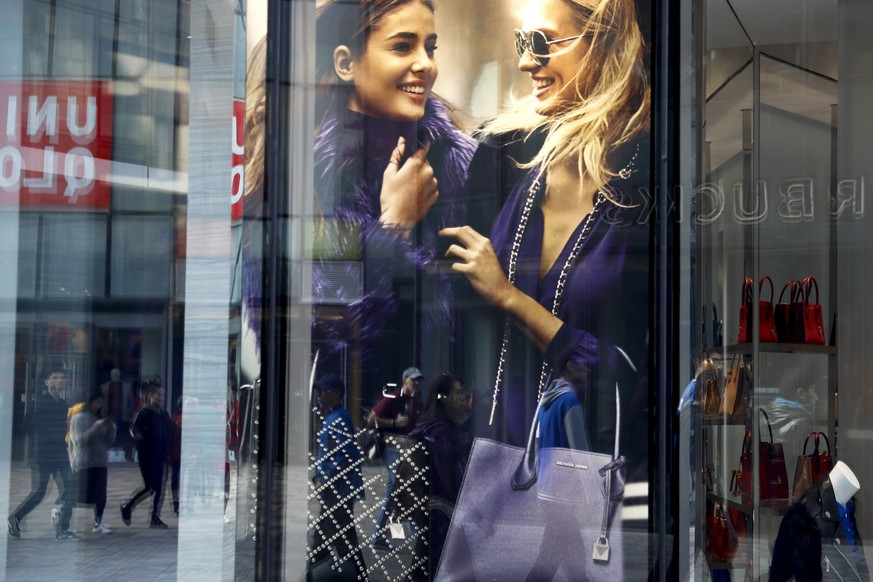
column 601, row 550
column 571, row 465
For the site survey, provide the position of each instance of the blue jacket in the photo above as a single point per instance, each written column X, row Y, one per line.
column 562, row 422
column 338, row 461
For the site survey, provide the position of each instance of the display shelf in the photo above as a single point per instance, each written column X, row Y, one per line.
column 767, row 507
column 740, row 559
column 771, row 348
column 730, row 502
column 723, row 421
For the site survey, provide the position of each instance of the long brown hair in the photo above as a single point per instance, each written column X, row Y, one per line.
column 349, row 23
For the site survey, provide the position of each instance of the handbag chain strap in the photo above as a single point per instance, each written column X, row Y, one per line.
column 533, row 191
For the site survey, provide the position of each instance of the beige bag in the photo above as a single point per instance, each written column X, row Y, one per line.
column 733, row 403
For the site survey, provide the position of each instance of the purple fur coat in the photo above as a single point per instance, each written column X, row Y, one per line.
column 351, row 154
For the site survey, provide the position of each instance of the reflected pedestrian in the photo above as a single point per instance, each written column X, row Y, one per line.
column 46, row 426
column 338, row 480
column 395, row 414
column 440, row 428
column 152, row 429
column 90, row 437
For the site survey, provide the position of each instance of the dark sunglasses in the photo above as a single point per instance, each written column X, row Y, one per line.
column 537, row 44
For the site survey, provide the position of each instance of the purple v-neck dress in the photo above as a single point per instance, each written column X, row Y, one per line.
column 605, row 304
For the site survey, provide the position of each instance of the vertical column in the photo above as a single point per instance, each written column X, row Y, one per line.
column 854, row 227
column 11, row 42
column 207, row 282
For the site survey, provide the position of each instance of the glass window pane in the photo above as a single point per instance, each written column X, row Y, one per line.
column 773, row 259
column 73, row 256
column 142, row 252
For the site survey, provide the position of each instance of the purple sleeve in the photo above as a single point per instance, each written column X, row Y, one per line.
column 573, row 346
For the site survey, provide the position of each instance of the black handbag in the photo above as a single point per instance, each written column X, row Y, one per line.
column 523, row 514
column 371, row 443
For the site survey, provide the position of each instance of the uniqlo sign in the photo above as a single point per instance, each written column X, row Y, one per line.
column 237, row 159
column 55, row 143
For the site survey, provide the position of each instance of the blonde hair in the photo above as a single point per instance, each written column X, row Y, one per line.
column 256, row 111
column 612, row 96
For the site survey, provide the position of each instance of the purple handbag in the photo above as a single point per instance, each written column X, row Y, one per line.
column 520, row 517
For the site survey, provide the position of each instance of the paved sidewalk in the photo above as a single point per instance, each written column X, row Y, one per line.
column 137, row 552
column 134, row 552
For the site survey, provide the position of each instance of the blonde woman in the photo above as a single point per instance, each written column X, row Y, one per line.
column 567, row 258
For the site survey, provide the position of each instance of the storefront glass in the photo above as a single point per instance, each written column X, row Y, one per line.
column 115, row 181
column 355, row 249
column 397, row 321
column 776, row 388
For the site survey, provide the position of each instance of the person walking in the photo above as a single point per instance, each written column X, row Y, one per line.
column 394, row 415
column 338, row 482
column 46, row 426
column 90, row 437
column 151, row 427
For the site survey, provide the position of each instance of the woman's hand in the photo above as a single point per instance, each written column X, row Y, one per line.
column 479, row 263
column 408, row 191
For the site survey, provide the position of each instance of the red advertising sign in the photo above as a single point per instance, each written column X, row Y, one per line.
column 238, row 159
column 55, row 143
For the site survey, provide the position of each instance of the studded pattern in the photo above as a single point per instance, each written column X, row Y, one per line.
column 353, row 509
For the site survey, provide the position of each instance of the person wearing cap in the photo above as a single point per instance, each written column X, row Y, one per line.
column 338, row 480
column 395, row 414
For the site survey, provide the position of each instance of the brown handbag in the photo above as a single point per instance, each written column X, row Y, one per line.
column 810, row 468
column 711, row 398
column 733, row 402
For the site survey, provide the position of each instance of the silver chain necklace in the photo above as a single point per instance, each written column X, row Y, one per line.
column 599, row 201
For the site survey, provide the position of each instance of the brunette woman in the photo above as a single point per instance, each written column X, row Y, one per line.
column 390, row 171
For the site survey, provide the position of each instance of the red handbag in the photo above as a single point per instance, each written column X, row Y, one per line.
column 813, row 322
column 738, row 518
column 721, row 537
column 789, row 316
column 772, row 474
column 767, row 327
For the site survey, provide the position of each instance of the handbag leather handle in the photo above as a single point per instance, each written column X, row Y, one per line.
column 747, row 290
column 761, row 286
column 827, row 442
column 525, row 474
column 747, row 442
column 795, row 291
column 769, row 428
column 817, row 435
column 815, row 442
column 807, row 288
